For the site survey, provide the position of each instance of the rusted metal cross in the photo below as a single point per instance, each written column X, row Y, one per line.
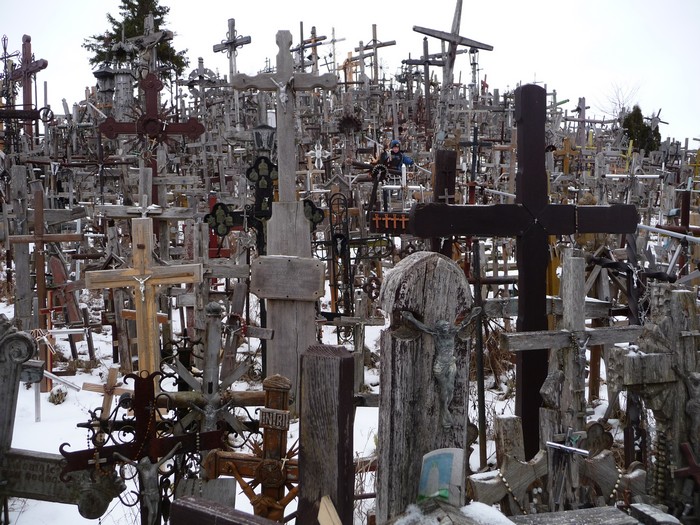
column 24, row 74
column 152, row 126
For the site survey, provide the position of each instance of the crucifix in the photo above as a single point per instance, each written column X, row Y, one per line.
column 288, row 277
column 144, row 277
column 532, row 219
column 231, row 45
column 24, row 73
column 147, row 448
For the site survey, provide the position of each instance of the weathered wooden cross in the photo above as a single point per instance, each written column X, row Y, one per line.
column 39, row 238
column 144, row 277
column 532, row 219
column 287, row 277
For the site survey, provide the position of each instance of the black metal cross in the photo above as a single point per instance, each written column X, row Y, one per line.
column 532, row 219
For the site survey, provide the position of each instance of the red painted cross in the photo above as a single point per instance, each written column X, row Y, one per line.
column 24, row 74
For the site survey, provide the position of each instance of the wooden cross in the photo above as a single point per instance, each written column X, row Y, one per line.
column 39, row 238
column 374, row 44
column 24, row 74
column 151, row 125
column 292, row 314
column 426, row 61
column 272, row 466
column 230, row 46
column 532, row 219
column 145, row 277
column 454, row 40
column 567, row 153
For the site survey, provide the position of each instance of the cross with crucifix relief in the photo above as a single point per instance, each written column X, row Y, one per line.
column 290, row 284
column 144, row 277
column 532, row 219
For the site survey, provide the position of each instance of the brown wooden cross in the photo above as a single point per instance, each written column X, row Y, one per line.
column 272, row 466
column 151, row 124
column 144, row 277
column 532, row 219
column 40, row 238
column 24, row 74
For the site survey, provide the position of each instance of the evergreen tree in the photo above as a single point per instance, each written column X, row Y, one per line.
column 133, row 15
column 640, row 132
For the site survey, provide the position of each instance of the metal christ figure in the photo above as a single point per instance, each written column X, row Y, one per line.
column 148, row 480
column 445, row 364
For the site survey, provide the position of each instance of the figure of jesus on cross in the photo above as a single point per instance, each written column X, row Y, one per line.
column 445, row 364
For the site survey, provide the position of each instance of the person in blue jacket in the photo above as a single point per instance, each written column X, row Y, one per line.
column 394, row 158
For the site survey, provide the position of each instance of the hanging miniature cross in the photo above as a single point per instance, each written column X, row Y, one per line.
column 318, row 154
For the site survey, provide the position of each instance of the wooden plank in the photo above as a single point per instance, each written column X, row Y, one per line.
column 646, row 369
column 593, row 516
column 188, row 510
column 131, row 315
column 508, row 307
column 327, row 515
column 516, row 342
column 303, row 278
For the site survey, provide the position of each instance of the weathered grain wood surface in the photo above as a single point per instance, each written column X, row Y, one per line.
column 326, row 432
column 434, row 289
column 594, row 516
column 189, row 510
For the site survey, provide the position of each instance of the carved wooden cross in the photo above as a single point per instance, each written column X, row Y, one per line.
column 151, row 124
column 290, row 284
column 24, row 74
column 272, row 466
column 532, row 219
column 145, row 277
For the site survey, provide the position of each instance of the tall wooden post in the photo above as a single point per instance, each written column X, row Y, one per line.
column 326, row 438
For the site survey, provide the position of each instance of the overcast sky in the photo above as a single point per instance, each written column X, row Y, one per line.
column 645, row 50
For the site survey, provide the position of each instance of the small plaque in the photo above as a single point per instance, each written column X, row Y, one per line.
column 274, row 419
column 287, row 277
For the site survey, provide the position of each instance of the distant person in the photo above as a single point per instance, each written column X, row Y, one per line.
column 393, row 159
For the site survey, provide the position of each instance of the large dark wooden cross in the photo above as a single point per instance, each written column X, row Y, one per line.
column 151, row 125
column 532, row 219
column 24, row 74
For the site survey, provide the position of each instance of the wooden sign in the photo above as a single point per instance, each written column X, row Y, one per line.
column 303, row 278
